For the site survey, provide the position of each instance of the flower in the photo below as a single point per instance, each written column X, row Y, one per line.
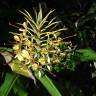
column 16, row 38
column 35, row 66
column 45, row 51
column 16, row 47
column 25, row 54
column 42, row 61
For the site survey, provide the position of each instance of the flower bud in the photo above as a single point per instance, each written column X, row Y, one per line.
column 16, row 38
column 35, row 66
column 28, row 43
column 22, row 30
column 24, row 24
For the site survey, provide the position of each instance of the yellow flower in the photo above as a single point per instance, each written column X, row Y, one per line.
column 16, row 38
column 45, row 51
column 35, row 66
column 25, row 54
column 16, row 47
column 42, row 61
column 28, row 43
column 19, row 57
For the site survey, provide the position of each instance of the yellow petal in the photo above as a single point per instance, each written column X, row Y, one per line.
column 19, row 57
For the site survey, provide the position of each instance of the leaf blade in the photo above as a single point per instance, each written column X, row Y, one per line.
column 18, row 89
column 48, row 84
column 9, row 81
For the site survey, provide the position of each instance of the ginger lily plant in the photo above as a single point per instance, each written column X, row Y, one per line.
column 38, row 45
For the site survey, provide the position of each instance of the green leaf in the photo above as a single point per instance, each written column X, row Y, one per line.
column 19, row 90
column 48, row 84
column 3, row 49
column 9, row 81
column 86, row 54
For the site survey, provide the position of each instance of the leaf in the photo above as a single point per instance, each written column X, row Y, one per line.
column 9, row 81
column 48, row 84
column 3, row 49
column 86, row 54
column 19, row 90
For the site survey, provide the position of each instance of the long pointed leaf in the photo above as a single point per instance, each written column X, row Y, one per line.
column 9, row 81
column 48, row 84
column 86, row 54
column 19, row 90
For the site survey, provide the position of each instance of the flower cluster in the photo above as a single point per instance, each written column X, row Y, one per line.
column 38, row 46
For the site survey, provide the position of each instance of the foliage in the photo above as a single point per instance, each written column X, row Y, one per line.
column 7, row 85
column 86, row 54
